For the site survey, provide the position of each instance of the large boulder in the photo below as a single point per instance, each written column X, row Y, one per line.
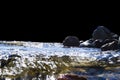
column 71, row 41
column 105, row 39
column 101, row 32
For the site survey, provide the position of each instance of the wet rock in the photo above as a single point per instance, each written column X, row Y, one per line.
column 97, row 43
column 92, row 43
column 115, row 59
column 87, row 43
column 109, row 40
column 81, row 41
column 110, row 46
column 101, row 38
column 105, row 39
column 71, row 41
column 3, row 63
column 6, row 62
column 105, row 60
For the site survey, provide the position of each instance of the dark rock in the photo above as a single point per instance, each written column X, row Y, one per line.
column 101, row 33
column 3, row 63
column 10, row 60
column 101, row 38
column 115, row 59
column 71, row 41
column 114, row 36
column 105, row 39
column 110, row 46
column 108, row 41
column 103, row 60
column 6, row 62
column 81, row 41
column 97, row 43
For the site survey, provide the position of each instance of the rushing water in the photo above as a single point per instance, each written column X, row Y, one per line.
column 46, row 61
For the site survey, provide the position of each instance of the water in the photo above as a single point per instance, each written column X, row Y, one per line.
column 46, row 61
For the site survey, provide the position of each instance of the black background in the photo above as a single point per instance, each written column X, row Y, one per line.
column 54, row 23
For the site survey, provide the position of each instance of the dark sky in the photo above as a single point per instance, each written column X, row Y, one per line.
column 54, row 24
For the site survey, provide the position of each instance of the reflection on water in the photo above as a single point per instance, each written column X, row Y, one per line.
column 46, row 61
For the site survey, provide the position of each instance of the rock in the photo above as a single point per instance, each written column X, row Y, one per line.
column 115, row 59
column 6, row 62
column 119, row 41
column 92, row 43
column 109, row 40
column 101, row 38
column 105, row 39
column 87, row 43
column 3, row 63
column 97, row 43
column 114, row 36
column 71, row 41
column 110, row 46
column 101, row 33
